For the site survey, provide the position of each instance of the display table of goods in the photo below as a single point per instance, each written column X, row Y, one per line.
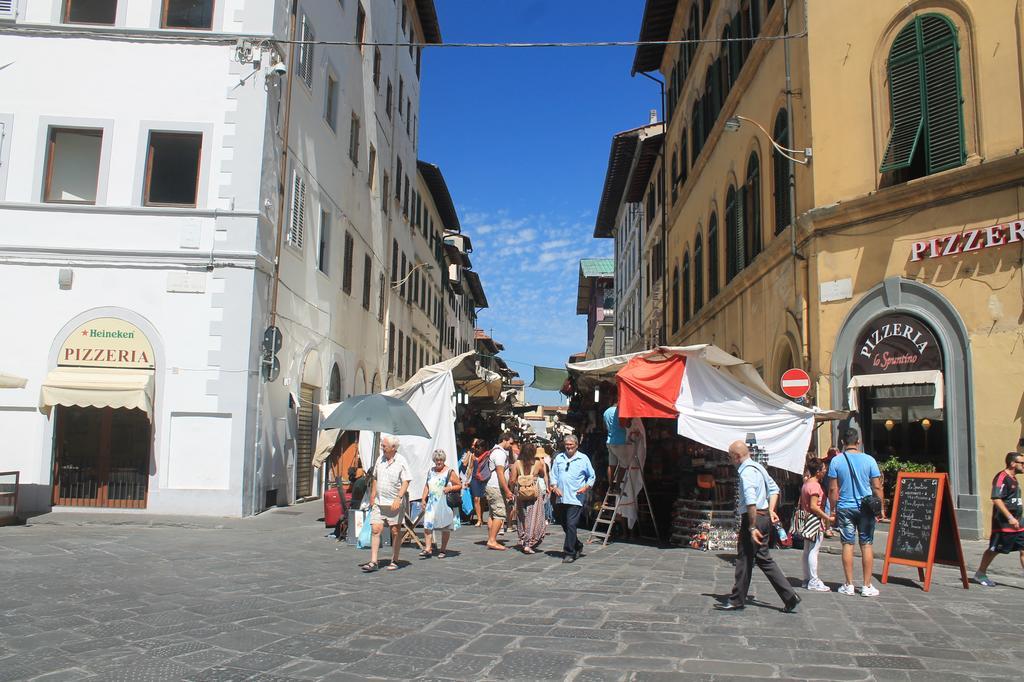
column 704, row 525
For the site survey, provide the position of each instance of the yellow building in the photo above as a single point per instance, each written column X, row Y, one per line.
column 900, row 289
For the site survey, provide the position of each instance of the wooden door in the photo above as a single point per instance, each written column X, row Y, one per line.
column 304, row 441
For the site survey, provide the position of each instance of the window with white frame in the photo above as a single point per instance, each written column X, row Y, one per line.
column 297, row 217
column 72, row 165
column 307, row 36
column 353, row 141
column 187, row 14
column 323, row 250
column 99, row 12
column 172, row 169
column 331, row 101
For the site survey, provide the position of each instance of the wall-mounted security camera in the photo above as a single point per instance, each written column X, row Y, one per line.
column 278, row 69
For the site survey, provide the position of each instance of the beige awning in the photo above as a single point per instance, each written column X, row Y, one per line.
column 97, row 387
column 11, row 381
column 929, row 376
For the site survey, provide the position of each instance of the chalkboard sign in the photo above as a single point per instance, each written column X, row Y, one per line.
column 923, row 530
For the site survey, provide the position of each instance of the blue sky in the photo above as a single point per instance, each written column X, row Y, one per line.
column 522, row 136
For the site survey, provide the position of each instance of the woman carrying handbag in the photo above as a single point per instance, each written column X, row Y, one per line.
column 811, row 521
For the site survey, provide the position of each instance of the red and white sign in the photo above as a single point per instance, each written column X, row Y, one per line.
column 795, row 383
column 968, row 240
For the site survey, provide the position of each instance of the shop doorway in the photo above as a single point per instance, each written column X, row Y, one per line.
column 305, row 440
column 102, row 457
column 902, row 422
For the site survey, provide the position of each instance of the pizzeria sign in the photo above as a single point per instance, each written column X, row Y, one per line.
column 107, row 342
column 896, row 343
column 968, row 240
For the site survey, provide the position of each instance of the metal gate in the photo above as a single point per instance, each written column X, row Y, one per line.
column 305, row 438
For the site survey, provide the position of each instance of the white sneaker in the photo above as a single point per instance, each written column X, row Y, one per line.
column 869, row 591
column 984, row 580
column 818, row 586
column 847, row 589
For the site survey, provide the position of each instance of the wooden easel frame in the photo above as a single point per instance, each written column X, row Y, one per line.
column 943, row 505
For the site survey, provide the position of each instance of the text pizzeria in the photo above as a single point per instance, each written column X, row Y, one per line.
column 968, row 240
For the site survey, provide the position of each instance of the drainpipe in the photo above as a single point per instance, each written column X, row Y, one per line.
column 664, row 213
column 283, row 169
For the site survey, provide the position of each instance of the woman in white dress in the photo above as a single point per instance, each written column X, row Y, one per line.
column 441, row 480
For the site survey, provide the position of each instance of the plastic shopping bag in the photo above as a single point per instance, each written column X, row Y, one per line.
column 366, row 532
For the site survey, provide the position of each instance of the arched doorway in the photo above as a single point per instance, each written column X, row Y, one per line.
column 902, row 356
column 101, row 397
column 306, row 424
column 334, row 387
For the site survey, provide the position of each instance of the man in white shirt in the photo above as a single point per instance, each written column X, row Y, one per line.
column 387, row 498
column 497, row 490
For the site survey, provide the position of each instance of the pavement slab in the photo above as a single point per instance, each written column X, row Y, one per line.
column 137, row 597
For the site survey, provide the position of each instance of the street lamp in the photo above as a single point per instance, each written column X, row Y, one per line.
column 399, row 283
column 733, row 124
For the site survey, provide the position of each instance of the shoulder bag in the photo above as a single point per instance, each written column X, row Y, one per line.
column 869, row 504
column 452, row 498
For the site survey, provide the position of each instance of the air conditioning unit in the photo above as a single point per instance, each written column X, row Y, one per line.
column 8, row 10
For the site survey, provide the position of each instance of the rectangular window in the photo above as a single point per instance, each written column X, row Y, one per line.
column 385, row 194
column 388, row 99
column 367, row 280
column 331, row 101
column 360, row 25
column 89, row 12
column 72, row 165
column 307, row 37
column 353, row 141
column 188, row 14
column 394, row 262
column 401, row 288
column 380, row 297
column 405, row 197
column 401, row 94
column 408, row 116
column 419, row 60
column 346, row 277
column 296, row 222
column 391, row 348
column 398, row 179
column 172, row 169
column 405, row 16
column 401, row 343
column 371, row 167
column 376, row 68
column 323, row 248
column 408, row 356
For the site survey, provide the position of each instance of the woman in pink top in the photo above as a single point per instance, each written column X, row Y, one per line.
column 810, row 510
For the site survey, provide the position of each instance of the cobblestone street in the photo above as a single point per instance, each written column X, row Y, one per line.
column 271, row 599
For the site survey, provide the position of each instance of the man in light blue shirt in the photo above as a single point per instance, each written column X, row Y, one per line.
column 572, row 476
column 619, row 450
column 853, row 476
column 758, row 495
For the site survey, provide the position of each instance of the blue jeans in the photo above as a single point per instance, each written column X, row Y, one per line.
column 854, row 525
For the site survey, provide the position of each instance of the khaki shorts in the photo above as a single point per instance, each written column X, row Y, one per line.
column 496, row 503
column 383, row 514
column 620, row 455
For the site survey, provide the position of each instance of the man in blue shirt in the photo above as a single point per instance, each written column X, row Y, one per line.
column 571, row 477
column 854, row 475
column 619, row 451
column 758, row 495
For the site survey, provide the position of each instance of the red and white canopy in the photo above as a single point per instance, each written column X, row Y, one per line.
column 715, row 397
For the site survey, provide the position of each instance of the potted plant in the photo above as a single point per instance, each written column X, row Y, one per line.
column 891, row 468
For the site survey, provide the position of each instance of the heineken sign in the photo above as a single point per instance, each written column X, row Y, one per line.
column 107, row 342
column 895, row 343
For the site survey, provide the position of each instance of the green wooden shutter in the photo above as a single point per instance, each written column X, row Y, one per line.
column 943, row 104
column 739, row 230
column 735, row 48
column 906, row 89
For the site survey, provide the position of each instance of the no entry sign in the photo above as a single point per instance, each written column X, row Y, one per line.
column 795, row 383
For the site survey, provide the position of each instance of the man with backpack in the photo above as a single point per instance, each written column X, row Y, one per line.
column 497, row 488
column 855, row 493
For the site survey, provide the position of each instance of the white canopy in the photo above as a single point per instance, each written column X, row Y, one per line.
column 11, row 381
column 97, row 387
column 928, row 376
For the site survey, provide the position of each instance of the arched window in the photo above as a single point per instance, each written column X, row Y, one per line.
column 684, row 158
column 752, row 209
column 780, row 172
column 734, row 257
column 675, row 174
column 925, row 100
column 686, row 286
column 728, row 66
column 712, row 256
column 675, row 299
column 705, row 10
column 692, row 34
column 698, row 128
column 334, row 387
column 698, row 274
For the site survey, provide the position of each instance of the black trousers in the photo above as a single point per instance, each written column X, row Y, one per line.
column 747, row 554
column 569, row 516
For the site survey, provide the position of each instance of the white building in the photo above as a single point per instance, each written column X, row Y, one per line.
column 621, row 216
column 192, row 182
